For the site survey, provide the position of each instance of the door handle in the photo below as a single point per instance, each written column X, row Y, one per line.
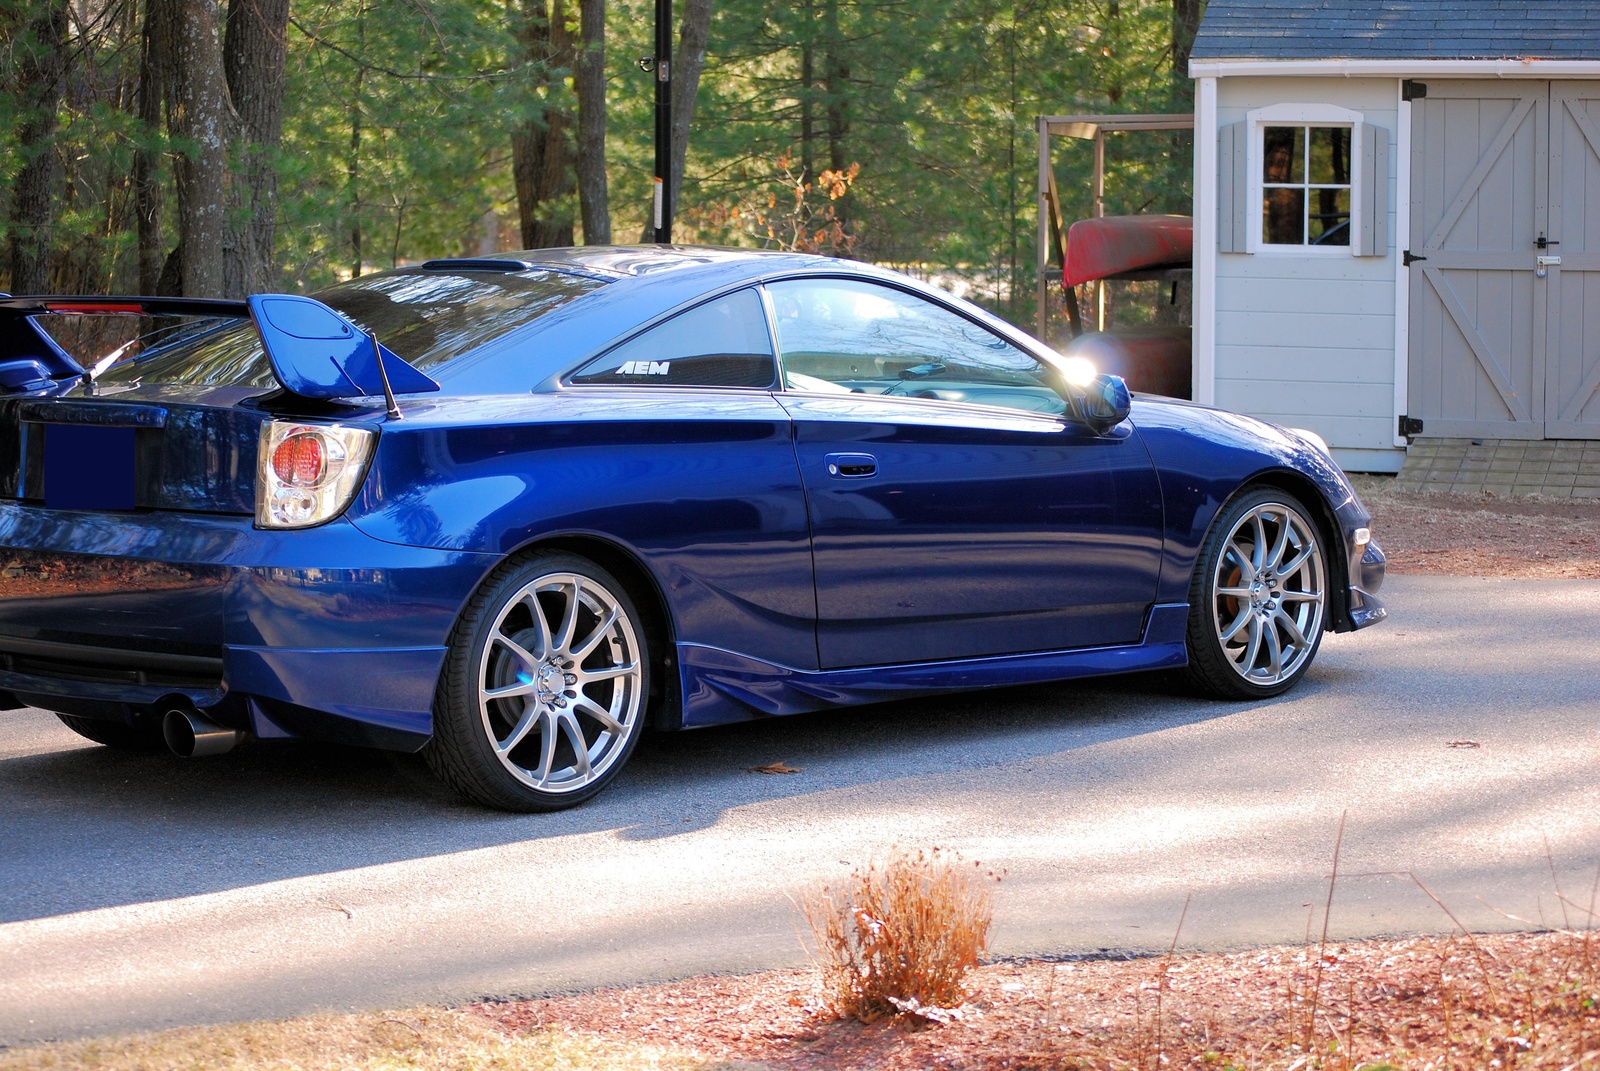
column 851, row 466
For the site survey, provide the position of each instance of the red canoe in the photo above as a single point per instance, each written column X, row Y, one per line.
column 1109, row 246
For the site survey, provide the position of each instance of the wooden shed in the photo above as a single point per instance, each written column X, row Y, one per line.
column 1397, row 219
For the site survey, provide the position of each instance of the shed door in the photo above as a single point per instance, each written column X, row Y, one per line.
column 1572, row 393
column 1497, row 349
column 1479, row 200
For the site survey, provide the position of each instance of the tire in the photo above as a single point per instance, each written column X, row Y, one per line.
column 544, row 688
column 115, row 734
column 1258, row 599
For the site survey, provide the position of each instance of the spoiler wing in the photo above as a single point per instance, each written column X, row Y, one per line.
column 314, row 351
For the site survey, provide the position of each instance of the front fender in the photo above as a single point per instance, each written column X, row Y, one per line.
column 1204, row 456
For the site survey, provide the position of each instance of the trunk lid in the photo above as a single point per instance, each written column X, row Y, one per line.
column 166, row 453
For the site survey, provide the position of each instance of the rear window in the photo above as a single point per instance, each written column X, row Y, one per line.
column 429, row 318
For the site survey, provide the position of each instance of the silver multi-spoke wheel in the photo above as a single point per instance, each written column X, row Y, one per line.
column 1260, row 596
column 545, row 686
column 559, row 682
column 1267, row 594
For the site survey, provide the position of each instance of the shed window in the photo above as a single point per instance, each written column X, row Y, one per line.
column 1305, row 185
column 1303, row 179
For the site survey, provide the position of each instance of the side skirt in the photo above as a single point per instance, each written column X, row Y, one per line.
column 721, row 686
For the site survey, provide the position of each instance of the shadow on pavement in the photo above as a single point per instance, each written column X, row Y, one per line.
column 88, row 827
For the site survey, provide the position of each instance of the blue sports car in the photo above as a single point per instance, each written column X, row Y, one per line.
column 511, row 511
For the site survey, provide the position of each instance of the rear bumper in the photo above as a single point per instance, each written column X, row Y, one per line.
column 323, row 632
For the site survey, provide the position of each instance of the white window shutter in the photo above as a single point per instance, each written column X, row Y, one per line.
column 1373, row 238
column 1233, row 188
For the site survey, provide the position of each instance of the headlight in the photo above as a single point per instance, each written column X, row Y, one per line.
column 1311, row 437
column 306, row 474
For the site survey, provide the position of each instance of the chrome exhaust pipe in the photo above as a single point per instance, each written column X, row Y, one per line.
column 191, row 736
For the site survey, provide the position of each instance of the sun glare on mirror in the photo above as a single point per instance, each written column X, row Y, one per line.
column 1079, row 371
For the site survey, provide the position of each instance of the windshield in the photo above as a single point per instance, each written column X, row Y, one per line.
column 427, row 317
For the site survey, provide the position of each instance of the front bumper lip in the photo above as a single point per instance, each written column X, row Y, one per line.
column 1365, row 606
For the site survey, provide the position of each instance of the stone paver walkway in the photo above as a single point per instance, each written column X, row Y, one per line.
column 1560, row 468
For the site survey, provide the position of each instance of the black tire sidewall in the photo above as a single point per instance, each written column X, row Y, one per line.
column 460, row 752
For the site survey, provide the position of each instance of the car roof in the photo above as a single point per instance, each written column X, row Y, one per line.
column 644, row 283
column 620, row 261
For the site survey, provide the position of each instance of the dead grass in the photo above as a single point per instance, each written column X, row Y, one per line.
column 1500, row 1002
column 1511, row 1002
column 426, row 1039
column 1526, row 537
column 900, row 938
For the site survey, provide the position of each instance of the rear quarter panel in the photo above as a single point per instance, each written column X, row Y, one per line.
column 701, row 487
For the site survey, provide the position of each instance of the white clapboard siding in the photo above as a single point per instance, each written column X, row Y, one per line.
column 1315, row 363
column 1308, row 340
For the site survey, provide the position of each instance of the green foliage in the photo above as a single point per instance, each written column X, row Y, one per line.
column 396, row 133
column 398, row 116
column 936, row 100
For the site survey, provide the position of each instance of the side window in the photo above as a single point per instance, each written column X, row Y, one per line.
column 844, row 335
column 723, row 343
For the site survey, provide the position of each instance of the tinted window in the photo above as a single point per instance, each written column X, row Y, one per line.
column 723, row 343
column 845, row 335
column 426, row 317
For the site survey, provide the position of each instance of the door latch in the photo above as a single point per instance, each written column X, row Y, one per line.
column 851, row 466
column 1543, row 264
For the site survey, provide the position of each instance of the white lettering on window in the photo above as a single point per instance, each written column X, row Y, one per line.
column 644, row 368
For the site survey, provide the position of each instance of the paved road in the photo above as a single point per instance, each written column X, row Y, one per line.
column 143, row 892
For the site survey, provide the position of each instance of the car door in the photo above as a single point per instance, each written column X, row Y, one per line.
column 955, row 510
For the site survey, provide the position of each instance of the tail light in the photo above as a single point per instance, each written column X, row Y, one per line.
column 306, row 474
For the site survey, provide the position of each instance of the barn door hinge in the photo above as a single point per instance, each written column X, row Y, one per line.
column 1409, row 258
column 1413, row 90
column 1410, row 426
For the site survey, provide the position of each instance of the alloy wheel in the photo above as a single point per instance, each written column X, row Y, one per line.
column 1268, row 594
column 561, row 683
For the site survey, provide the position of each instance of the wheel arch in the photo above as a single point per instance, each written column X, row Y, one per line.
column 1306, row 491
column 665, row 704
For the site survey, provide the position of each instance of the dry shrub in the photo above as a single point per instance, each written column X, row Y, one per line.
column 901, row 938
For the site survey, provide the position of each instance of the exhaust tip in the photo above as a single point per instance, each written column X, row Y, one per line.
column 191, row 736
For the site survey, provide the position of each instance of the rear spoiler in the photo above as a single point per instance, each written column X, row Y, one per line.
column 314, row 351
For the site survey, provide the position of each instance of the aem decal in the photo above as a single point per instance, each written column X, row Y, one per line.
column 643, row 368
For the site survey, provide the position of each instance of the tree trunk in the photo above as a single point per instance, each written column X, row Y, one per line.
column 527, row 140
column 146, row 163
column 352, row 180
column 540, row 153
column 1185, row 24
column 253, row 58
column 837, row 79
column 42, row 77
column 589, row 79
column 690, row 60
column 202, row 117
column 808, row 81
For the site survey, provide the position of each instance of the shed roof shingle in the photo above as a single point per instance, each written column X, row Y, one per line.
column 1400, row 29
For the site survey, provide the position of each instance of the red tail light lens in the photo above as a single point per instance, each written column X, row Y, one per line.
column 306, row 474
column 299, row 460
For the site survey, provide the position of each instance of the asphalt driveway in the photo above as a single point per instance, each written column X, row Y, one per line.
column 142, row 892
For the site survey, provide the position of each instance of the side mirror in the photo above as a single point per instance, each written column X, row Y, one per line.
column 1102, row 403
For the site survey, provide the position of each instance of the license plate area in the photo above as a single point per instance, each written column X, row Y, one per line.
column 89, row 467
